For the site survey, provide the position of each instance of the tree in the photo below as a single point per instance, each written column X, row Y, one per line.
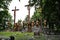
column 4, row 14
column 37, row 14
column 50, row 12
column 4, row 4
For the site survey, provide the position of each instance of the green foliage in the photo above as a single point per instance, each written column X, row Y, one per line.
column 36, row 16
column 4, row 4
column 50, row 12
column 4, row 14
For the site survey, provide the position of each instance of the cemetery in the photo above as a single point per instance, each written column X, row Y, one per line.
column 18, row 23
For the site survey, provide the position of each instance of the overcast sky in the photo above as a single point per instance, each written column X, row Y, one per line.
column 21, row 14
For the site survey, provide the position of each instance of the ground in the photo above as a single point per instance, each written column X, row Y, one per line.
column 21, row 36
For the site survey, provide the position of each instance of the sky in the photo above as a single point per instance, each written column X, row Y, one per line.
column 21, row 14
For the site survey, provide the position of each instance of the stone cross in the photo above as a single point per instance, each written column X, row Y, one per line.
column 15, row 14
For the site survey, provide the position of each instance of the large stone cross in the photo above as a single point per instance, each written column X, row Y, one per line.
column 15, row 14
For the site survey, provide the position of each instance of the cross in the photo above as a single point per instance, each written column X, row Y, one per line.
column 28, row 7
column 15, row 14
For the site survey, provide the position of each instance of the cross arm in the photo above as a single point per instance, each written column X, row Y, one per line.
column 26, row 5
column 15, row 10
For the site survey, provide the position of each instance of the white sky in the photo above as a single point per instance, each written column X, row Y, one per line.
column 21, row 14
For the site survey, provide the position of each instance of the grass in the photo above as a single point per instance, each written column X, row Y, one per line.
column 20, row 36
column 17, row 35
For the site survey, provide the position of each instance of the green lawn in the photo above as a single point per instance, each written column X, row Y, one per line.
column 19, row 35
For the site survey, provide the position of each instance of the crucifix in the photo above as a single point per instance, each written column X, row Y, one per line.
column 15, row 14
column 28, row 7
